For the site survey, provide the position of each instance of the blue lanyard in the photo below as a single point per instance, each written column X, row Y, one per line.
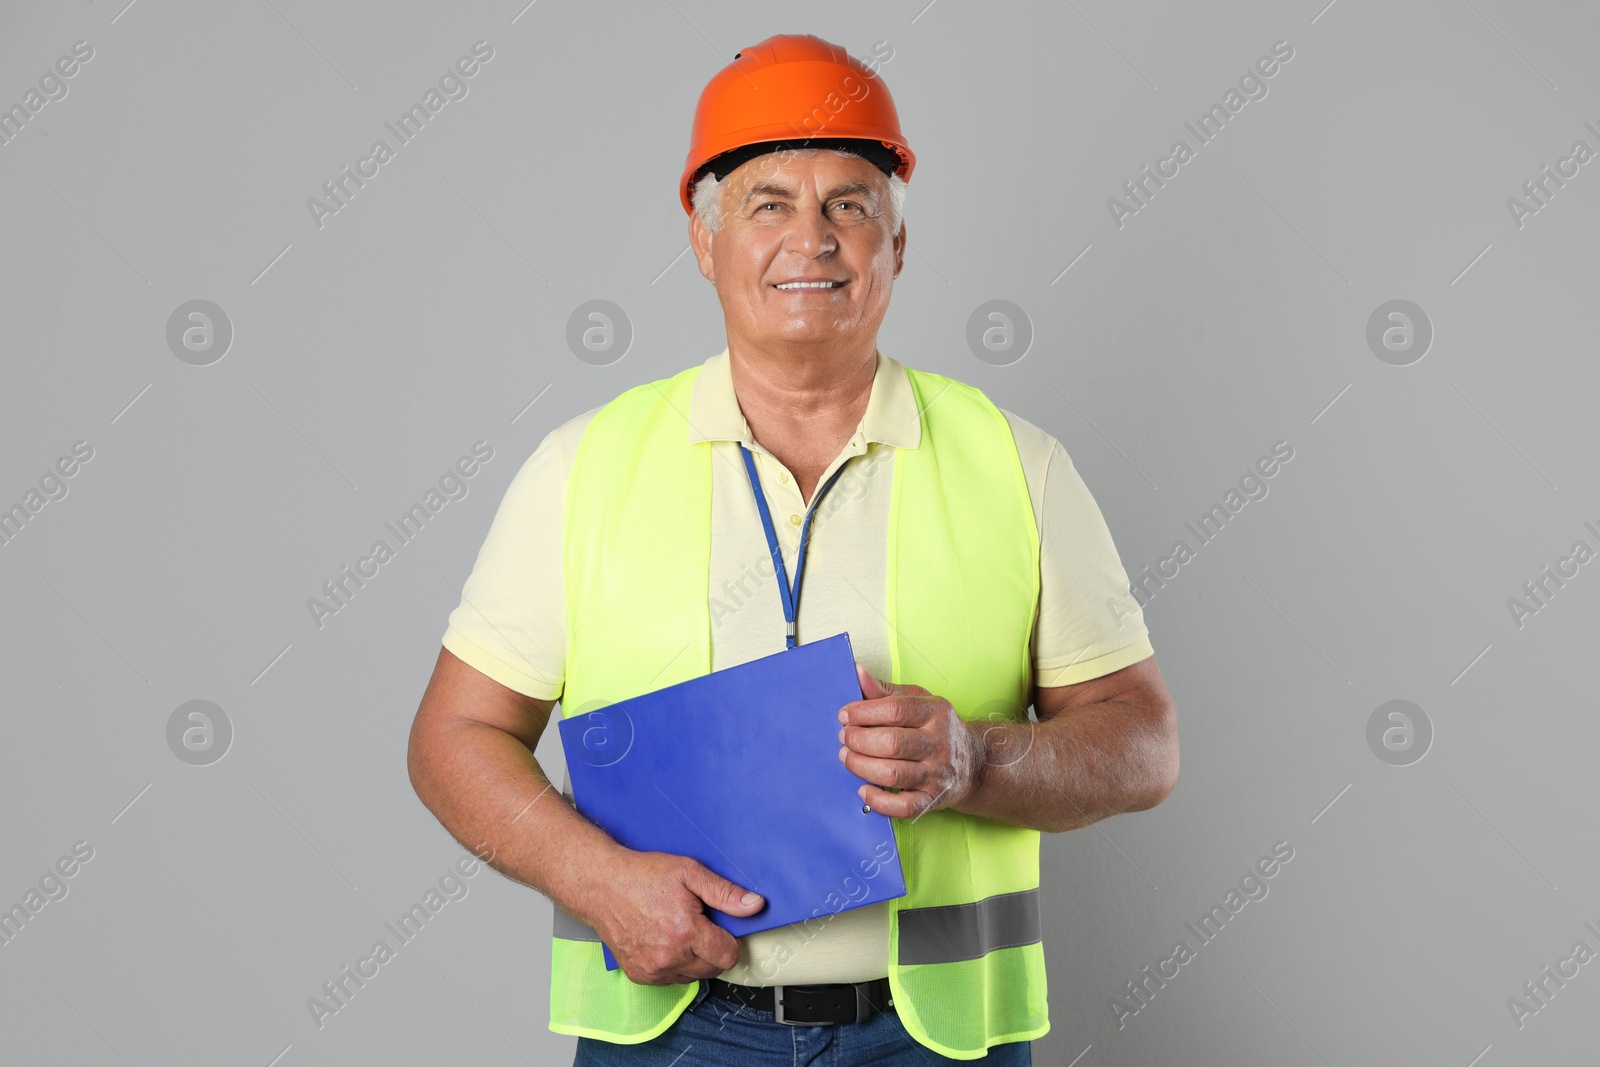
column 789, row 596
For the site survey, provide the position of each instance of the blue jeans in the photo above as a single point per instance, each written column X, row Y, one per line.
column 712, row 1031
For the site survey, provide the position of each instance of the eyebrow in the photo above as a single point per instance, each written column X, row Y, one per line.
column 856, row 187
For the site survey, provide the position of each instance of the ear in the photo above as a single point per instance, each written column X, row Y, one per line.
column 900, row 249
column 700, row 240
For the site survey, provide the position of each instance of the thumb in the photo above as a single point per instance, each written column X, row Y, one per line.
column 722, row 894
column 871, row 687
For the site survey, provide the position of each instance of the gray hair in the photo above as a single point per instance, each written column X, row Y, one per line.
column 707, row 202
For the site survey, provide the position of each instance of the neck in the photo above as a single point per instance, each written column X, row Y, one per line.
column 816, row 394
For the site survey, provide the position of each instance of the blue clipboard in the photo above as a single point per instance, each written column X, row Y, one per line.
column 739, row 769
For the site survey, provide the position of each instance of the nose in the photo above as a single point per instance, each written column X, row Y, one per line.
column 811, row 233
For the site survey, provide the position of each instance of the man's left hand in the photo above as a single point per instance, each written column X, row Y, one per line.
column 903, row 737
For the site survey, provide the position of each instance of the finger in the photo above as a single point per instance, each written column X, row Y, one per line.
column 906, row 804
column 888, row 742
column 901, row 709
column 716, row 947
column 886, row 773
column 653, row 977
column 684, row 975
column 722, row 894
column 693, row 968
column 871, row 685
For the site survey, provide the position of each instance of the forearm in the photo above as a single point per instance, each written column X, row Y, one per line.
column 489, row 791
column 1076, row 768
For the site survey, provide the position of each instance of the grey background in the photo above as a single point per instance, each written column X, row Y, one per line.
column 369, row 354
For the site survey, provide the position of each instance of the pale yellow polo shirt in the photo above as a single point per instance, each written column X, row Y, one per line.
column 511, row 621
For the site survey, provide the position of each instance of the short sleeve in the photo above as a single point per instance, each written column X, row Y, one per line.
column 1089, row 624
column 511, row 621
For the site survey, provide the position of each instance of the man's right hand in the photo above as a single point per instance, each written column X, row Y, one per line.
column 651, row 917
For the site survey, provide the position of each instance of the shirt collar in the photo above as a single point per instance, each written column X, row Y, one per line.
column 891, row 417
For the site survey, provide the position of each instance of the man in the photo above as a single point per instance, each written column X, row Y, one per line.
column 640, row 544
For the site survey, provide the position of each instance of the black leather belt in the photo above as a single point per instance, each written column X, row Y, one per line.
column 810, row 1005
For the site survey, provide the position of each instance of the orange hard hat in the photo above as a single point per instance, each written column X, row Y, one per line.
column 792, row 91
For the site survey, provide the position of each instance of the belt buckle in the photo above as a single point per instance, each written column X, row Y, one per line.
column 863, row 1007
column 777, row 1008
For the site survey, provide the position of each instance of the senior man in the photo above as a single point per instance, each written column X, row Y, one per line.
column 672, row 531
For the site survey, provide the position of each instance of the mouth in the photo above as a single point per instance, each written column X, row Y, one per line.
column 818, row 285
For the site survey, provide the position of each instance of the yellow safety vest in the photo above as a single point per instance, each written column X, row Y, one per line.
column 966, row 963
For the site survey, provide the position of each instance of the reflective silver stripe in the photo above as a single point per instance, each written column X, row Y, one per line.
column 571, row 929
column 967, row 931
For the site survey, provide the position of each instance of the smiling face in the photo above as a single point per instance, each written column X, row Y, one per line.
column 802, row 216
